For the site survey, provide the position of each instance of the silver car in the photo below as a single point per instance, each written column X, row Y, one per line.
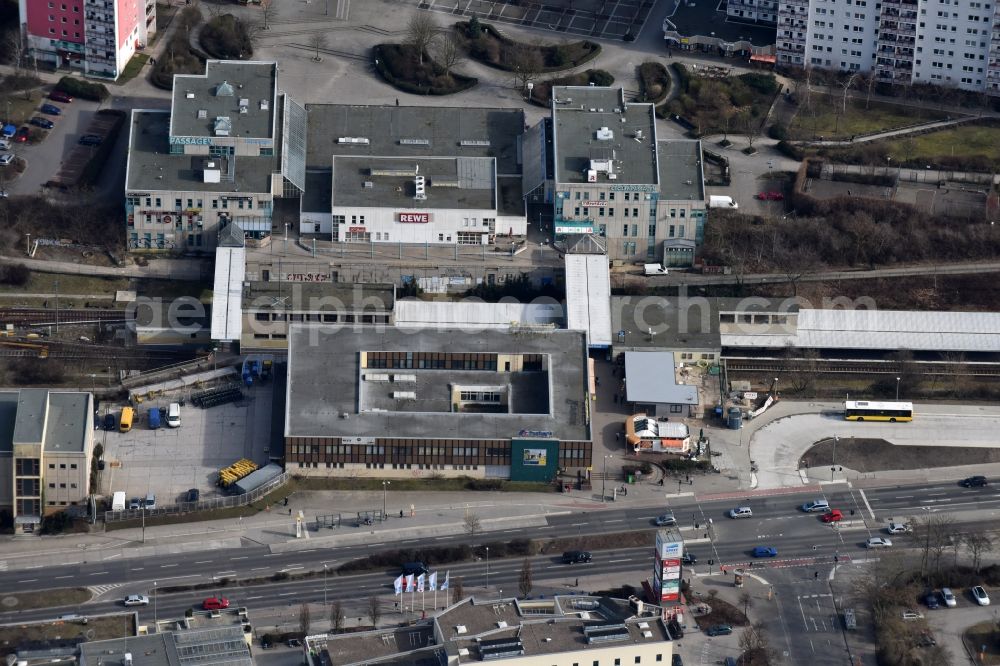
column 136, row 600
column 665, row 520
column 878, row 542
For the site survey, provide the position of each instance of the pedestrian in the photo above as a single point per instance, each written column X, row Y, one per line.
column 625, row 491
column 688, row 478
column 661, row 482
column 690, row 481
column 815, row 575
column 618, row 436
column 289, row 512
column 397, row 101
column 400, row 513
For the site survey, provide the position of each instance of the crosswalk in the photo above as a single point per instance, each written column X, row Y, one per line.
column 100, row 590
column 3, row 565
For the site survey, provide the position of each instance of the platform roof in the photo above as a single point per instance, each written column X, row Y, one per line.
column 473, row 315
column 650, row 379
column 588, row 297
column 227, row 293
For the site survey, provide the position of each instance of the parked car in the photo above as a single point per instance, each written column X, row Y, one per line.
column 22, row 135
column 765, row 551
column 719, row 630
column 576, row 557
column 60, row 96
column 741, row 512
column 926, row 639
column 910, row 614
column 973, row 482
column 948, row 597
column 89, row 140
column 266, row 642
column 293, row 642
column 676, row 660
column 771, row 196
column 110, row 422
column 51, row 109
column 6, row 158
column 44, row 123
column 899, row 528
column 136, row 600
column 689, row 559
column 833, row 516
column 215, row 603
column 931, row 601
column 193, row 495
column 979, row 594
column 4, row 144
column 878, row 542
column 666, row 519
column 135, row 503
column 816, row 506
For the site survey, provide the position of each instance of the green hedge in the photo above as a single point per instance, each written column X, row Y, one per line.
column 396, row 64
column 83, row 89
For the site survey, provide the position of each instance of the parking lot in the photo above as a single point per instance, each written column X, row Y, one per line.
column 169, row 461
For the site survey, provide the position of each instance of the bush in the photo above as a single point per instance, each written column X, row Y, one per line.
column 56, row 523
column 778, row 131
column 399, row 65
column 484, row 484
column 654, row 81
column 599, row 77
column 489, row 47
column 765, row 84
column 790, row 150
column 15, row 274
column 227, row 38
column 83, row 89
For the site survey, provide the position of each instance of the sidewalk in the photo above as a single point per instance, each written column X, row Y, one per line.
column 174, row 269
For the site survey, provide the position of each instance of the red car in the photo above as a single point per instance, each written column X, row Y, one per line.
column 215, row 603
column 60, row 96
column 834, row 516
column 771, row 196
column 22, row 135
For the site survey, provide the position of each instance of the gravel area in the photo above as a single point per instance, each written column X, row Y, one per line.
column 878, row 455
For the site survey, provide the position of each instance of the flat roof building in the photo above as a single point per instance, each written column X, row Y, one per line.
column 651, row 384
column 413, row 175
column 613, row 178
column 230, row 144
column 46, row 445
column 561, row 630
column 422, row 402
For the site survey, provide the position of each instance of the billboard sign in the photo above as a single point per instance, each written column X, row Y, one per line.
column 534, row 457
column 414, row 218
column 667, row 547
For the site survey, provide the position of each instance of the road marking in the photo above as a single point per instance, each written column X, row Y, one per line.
column 61, row 577
column 244, row 557
column 867, row 504
column 204, row 562
column 249, row 598
column 225, row 573
column 935, row 494
column 30, row 580
column 166, row 566
column 295, row 566
column 99, row 573
column 286, row 594
column 616, row 561
column 35, row 566
column 581, row 524
column 258, row 568
column 311, row 550
column 138, row 569
column 904, row 497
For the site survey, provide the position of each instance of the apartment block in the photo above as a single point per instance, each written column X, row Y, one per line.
column 97, row 37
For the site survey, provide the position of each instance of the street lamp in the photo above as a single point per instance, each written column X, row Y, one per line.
column 775, row 387
column 833, row 464
column 324, row 584
column 897, row 387
column 154, row 605
column 487, row 567
column 385, row 486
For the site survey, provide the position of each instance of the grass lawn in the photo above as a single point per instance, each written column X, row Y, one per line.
column 21, row 110
column 67, row 596
column 962, row 141
column 132, row 69
column 827, row 122
column 45, row 283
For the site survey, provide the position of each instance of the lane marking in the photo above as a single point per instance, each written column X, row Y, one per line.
column 165, row 566
column 867, row 503
column 204, row 562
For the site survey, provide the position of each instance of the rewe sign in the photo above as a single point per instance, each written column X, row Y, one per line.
column 415, row 218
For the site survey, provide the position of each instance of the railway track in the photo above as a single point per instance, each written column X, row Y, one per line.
column 47, row 317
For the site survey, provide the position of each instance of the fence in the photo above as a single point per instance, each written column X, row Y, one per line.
column 182, row 508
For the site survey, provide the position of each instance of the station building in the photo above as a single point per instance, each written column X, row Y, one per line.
column 46, row 446
column 610, row 176
column 229, row 146
column 414, row 402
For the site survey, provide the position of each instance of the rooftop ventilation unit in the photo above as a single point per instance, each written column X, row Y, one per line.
column 460, row 629
column 421, row 188
column 475, row 142
column 189, row 95
column 404, row 395
column 264, row 105
column 404, row 378
column 638, row 135
column 359, row 140
column 224, row 90
column 605, row 134
column 368, row 184
column 223, row 126
column 202, row 114
column 414, row 142
column 244, row 109
column 244, row 101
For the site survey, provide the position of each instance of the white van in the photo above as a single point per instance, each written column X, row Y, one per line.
column 174, row 415
column 118, row 501
column 722, row 201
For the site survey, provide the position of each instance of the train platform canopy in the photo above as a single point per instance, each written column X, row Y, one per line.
column 227, row 294
column 471, row 315
column 866, row 329
column 588, row 297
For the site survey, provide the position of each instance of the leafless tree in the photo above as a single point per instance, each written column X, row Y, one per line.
column 449, row 51
column 11, row 48
column 524, row 582
column 457, row 591
column 933, row 535
column 977, row 543
column 871, row 79
column 746, row 601
column 317, row 41
column 421, row 32
column 847, row 87
column 305, row 621
column 525, row 63
column 751, row 125
column 374, row 610
column 337, row 617
column 267, row 12
column 755, row 646
column 472, row 525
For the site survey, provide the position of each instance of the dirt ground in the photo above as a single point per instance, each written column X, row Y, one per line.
column 878, row 455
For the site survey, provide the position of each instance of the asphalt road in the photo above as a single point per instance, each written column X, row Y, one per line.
column 800, row 538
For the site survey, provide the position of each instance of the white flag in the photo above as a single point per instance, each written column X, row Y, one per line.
column 420, row 582
column 399, row 585
column 409, row 583
column 432, row 582
column 444, row 585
